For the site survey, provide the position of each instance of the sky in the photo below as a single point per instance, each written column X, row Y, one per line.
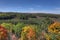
column 31, row 6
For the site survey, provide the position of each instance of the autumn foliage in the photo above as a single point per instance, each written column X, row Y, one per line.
column 30, row 33
column 45, row 30
column 3, row 33
column 54, row 28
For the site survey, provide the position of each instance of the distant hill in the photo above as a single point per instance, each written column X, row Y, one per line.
column 25, row 17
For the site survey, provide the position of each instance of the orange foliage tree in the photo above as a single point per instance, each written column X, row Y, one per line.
column 54, row 28
column 29, row 33
column 3, row 33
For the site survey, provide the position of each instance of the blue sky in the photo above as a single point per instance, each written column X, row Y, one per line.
column 44, row 6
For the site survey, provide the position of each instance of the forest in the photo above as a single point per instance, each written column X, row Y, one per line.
column 29, row 26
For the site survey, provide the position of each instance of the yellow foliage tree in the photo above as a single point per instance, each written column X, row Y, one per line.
column 29, row 33
column 54, row 28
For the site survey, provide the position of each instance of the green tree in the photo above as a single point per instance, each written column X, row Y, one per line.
column 18, row 28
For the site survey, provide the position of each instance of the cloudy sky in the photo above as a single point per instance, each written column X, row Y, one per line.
column 44, row 6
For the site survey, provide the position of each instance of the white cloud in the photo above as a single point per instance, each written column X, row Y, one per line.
column 37, row 11
column 42, row 11
column 57, row 8
column 30, row 9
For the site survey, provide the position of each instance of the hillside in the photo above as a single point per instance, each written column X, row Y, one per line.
column 30, row 26
column 26, row 17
